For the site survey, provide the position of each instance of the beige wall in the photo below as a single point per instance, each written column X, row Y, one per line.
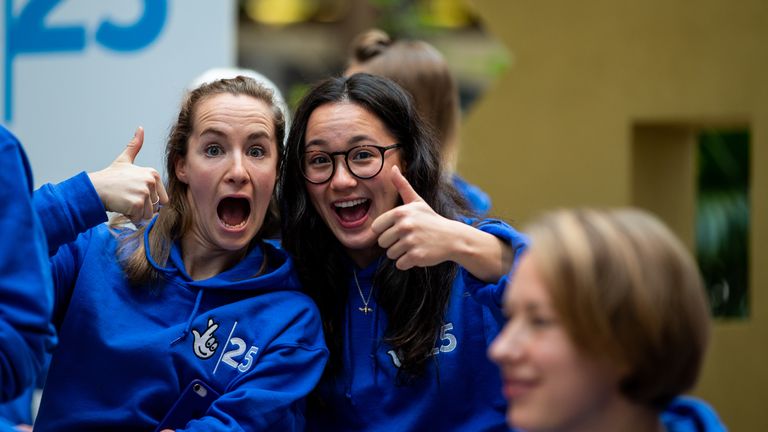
column 598, row 108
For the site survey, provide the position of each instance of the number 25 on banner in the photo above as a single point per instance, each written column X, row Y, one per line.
column 27, row 32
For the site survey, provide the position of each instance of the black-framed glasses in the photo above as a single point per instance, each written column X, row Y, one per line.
column 364, row 162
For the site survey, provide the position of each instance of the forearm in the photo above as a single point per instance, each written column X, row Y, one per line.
column 483, row 255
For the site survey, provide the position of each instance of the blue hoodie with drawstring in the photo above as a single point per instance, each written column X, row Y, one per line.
column 460, row 389
column 127, row 353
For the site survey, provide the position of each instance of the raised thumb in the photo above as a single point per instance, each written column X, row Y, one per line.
column 133, row 147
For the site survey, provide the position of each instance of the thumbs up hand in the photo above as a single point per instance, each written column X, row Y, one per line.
column 127, row 188
column 413, row 234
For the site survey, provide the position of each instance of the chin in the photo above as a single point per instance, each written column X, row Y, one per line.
column 237, row 241
column 362, row 241
column 527, row 421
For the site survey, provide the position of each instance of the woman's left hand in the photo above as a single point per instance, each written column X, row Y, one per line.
column 414, row 234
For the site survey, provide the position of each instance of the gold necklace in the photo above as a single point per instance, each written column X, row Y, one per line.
column 365, row 309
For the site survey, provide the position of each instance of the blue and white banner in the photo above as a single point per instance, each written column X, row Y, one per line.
column 79, row 76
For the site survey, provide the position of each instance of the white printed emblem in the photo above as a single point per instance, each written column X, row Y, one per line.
column 205, row 344
column 448, row 343
column 232, row 357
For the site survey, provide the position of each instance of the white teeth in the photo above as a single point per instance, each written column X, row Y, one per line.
column 346, row 204
column 234, row 226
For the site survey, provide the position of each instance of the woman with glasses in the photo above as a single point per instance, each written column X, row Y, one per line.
column 408, row 289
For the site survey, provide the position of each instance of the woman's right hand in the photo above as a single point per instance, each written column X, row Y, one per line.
column 129, row 189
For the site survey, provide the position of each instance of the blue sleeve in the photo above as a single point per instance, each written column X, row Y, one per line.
column 68, row 209
column 25, row 279
column 271, row 396
column 491, row 294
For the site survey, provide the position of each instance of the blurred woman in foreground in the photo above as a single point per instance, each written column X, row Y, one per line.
column 607, row 327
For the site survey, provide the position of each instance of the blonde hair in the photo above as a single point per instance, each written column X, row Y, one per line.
column 422, row 71
column 625, row 288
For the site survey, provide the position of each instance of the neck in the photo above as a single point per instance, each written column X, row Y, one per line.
column 204, row 263
column 364, row 258
column 619, row 414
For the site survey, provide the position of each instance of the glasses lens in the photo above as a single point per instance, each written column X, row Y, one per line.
column 317, row 166
column 365, row 161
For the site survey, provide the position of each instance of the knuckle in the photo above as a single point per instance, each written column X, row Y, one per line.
column 408, row 225
column 391, row 254
column 418, row 255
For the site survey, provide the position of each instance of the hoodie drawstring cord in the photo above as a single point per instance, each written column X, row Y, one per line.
column 192, row 316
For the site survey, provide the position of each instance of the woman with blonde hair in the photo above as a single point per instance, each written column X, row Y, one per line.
column 607, row 326
column 193, row 320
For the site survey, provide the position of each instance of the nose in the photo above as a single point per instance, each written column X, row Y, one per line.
column 237, row 173
column 342, row 178
column 509, row 343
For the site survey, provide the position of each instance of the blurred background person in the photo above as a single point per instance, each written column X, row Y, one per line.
column 420, row 69
column 607, row 326
column 26, row 291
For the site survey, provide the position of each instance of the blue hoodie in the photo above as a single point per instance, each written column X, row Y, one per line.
column 127, row 353
column 687, row 414
column 26, row 294
column 478, row 201
column 461, row 388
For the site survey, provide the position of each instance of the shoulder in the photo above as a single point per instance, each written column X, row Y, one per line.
column 478, row 200
column 295, row 321
column 7, row 139
column 14, row 161
column 689, row 414
column 302, row 307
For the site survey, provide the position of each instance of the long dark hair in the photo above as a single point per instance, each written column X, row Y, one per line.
column 175, row 219
column 414, row 300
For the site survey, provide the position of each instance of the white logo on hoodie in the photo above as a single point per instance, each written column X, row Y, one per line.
column 205, row 344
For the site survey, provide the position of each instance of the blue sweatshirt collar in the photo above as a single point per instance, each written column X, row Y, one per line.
column 240, row 277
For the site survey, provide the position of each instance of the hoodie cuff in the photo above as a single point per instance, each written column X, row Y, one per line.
column 490, row 294
column 67, row 209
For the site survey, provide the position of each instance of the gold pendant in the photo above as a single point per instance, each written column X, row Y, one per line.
column 365, row 309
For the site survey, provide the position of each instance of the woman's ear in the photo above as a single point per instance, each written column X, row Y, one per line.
column 181, row 170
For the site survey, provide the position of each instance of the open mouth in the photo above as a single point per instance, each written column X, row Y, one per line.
column 233, row 212
column 352, row 211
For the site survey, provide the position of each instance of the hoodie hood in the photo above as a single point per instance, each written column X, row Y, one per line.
column 243, row 276
column 278, row 275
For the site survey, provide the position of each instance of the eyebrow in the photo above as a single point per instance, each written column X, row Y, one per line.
column 354, row 140
column 218, row 133
column 212, row 131
column 528, row 306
